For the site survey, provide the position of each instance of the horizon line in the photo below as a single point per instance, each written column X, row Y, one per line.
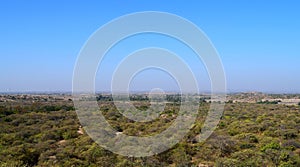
column 142, row 92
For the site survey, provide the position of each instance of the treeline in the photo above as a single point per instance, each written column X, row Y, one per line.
column 9, row 109
column 142, row 97
column 269, row 102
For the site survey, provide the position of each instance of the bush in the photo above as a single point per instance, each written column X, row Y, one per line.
column 246, row 145
column 291, row 144
column 272, row 145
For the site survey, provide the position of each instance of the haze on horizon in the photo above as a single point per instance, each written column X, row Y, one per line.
column 258, row 42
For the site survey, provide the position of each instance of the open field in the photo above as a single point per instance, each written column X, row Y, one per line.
column 255, row 130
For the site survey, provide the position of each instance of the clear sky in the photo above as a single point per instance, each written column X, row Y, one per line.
column 258, row 41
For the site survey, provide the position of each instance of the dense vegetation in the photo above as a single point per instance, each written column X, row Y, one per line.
column 47, row 133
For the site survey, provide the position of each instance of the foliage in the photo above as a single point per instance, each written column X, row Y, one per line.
column 45, row 133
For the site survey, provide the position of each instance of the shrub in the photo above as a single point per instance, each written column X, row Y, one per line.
column 291, row 144
column 246, row 145
column 272, row 145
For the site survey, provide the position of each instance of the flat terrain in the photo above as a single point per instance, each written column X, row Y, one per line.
column 255, row 130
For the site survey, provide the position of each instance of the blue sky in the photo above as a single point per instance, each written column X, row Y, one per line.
column 258, row 41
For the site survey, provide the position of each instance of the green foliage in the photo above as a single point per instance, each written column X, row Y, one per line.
column 180, row 157
column 272, row 145
column 45, row 133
